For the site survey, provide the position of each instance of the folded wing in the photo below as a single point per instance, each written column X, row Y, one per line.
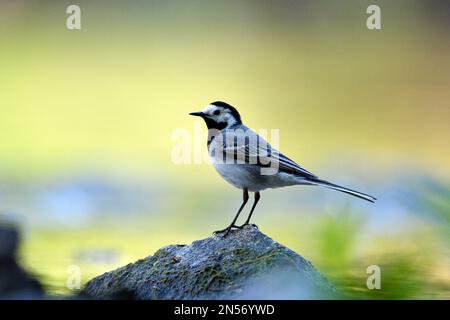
column 246, row 147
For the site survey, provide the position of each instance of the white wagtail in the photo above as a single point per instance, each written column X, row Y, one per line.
column 248, row 162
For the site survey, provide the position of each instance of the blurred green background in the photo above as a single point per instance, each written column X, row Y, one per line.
column 87, row 117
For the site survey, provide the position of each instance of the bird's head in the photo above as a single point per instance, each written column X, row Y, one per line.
column 219, row 115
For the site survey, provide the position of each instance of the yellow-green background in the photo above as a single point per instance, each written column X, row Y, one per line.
column 369, row 109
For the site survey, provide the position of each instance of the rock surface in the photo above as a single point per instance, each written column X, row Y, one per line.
column 245, row 265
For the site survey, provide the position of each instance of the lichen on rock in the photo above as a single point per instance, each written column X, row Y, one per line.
column 245, row 265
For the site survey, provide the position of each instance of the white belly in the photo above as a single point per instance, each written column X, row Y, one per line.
column 247, row 176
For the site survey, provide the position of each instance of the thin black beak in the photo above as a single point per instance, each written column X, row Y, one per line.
column 197, row 114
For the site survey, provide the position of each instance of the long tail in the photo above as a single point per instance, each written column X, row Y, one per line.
column 330, row 185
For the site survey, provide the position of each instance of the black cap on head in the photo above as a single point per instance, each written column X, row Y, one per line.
column 232, row 109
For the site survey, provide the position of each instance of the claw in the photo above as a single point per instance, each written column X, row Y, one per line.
column 248, row 224
column 227, row 230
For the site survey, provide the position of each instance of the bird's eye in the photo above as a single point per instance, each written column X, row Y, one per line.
column 216, row 113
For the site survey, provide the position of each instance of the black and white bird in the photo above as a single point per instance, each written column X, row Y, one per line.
column 248, row 162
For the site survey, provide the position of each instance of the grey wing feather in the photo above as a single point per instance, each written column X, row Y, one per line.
column 290, row 166
column 249, row 147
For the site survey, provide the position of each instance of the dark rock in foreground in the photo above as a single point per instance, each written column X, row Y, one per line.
column 15, row 282
column 245, row 265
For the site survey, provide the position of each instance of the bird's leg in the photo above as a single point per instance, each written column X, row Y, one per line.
column 257, row 197
column 227, row 229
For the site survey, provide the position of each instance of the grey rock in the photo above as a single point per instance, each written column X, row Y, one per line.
column 245, row 265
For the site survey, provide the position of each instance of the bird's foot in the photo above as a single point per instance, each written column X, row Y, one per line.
column 227, row 230
column 248, row 224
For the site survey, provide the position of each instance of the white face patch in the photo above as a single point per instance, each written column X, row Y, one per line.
column 209, row 109
column 223, row 116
